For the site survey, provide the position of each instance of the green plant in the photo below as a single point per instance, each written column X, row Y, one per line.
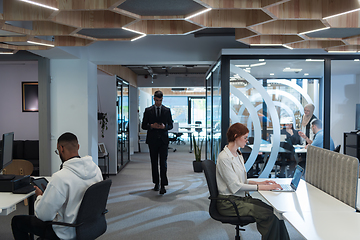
column 197, row 149
column 103, row 123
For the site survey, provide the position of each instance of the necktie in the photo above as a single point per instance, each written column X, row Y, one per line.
column 158, row 112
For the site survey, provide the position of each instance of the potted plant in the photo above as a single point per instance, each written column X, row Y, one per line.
column 197, row 151
column 102, row 117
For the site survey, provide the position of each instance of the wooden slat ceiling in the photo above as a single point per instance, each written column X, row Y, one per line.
column 252, row 22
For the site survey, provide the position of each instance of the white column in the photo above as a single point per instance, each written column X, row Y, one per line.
column 74, row 105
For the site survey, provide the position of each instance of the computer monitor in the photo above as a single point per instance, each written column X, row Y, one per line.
column 6, row 153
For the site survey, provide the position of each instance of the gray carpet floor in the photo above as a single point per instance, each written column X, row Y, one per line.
column 138, row 212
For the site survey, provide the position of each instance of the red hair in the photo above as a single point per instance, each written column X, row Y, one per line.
column 236, row 130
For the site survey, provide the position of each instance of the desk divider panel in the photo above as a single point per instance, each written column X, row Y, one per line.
column 334, row 173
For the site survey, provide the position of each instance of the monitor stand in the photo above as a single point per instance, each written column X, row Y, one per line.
column 7, row 177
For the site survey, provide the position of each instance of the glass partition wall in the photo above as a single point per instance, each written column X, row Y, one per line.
column 123, row 143
column 262, row 92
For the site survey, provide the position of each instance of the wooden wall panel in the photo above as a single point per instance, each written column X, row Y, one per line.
column 317, row 44
column 71, row 41
column 123, row 72
column 21, row 11
column 307, row 9
column 92, row 19
column 350, row 20
column 288, row 26
column 273, row 39
column 163, row 27
column 50, row 29
column 231, row 18
column 333, row 7
column 243, row 33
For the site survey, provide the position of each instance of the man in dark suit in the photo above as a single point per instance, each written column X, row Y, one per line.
column 157, row 121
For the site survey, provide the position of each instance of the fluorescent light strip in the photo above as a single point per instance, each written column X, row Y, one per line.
column 196, row 14
column 240, row 66
column 342, row 51
column 306, row 74
column 339, row 14
column 6, row 53
column 272, row 74
column 134, row 31
column 41, row 5
column 288, row 47
column 138, row 37
column 261, row 60
column 257, row 64
column 266, row 44
column 316, row 30
column 356, row 60
column 314, row 60
column 292, row 69
column 44, row 44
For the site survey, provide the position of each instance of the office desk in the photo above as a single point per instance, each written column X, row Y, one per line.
column 307, row 198
column 189, row 132
column 314, row 213
column 325, row 225
column 9, row 200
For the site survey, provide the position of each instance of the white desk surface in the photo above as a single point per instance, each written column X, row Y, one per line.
column 307, row 198
column 266, row 148
column 326, row 225
column 8, row 201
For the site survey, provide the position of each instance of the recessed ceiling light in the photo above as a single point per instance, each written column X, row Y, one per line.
column 257, row 64
column 342, row 51
column 314, row 60
column 356, row 60
column 201, row 12
column 272, row 74
column 39, row 43
column 6, row 53
column 339, row 14
column 292, row 69
column 306, row 74
column 41, row 5
column 248, row 68
column 246, row 65
column 316, row 30
column 261, row 60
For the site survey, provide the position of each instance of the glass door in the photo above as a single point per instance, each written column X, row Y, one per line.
column 123, row 144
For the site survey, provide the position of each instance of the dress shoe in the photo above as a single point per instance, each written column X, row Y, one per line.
column 162, row 190
column 156, row 187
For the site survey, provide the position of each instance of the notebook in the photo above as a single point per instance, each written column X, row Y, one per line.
column 294, row 182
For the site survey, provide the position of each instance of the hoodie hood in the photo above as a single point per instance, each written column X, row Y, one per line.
column 81, row 167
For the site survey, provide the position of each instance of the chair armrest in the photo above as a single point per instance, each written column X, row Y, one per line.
column 231, row 201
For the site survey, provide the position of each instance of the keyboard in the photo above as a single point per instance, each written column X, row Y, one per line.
column 286, row 187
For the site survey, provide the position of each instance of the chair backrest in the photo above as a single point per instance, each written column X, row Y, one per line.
column 210, row 175
column 337, row 149
column 198, row 129
column 92, row 211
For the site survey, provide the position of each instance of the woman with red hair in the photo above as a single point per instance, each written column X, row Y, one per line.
column 232, row 183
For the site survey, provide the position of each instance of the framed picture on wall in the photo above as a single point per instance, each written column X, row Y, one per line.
column 30, row 97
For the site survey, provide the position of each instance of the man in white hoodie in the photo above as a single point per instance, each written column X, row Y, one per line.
column 63, row 195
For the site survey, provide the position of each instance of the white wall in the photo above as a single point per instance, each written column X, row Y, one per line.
column 344, row 97
column 74, row 105
column 107, row 104
column 25, row 125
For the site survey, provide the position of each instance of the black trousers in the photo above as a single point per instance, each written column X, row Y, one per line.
column 23, row 225
column 159, row 149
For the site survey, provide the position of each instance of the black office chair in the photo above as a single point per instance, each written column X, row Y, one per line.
column 285, row 159
column 198, row 129
column 210, row 174
column 337, row 148
column 90, row 222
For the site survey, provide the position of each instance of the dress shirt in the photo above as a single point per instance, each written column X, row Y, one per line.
column 231, row 174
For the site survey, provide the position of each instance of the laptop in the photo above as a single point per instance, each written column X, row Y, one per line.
column 294, row 182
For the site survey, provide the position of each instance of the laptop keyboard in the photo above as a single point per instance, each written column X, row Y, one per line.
column 286, row 187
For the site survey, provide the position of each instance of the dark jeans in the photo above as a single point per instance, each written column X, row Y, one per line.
column 159, row 149
column 23, row 225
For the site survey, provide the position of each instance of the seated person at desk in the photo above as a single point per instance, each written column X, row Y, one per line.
column 63, row 195
column 316, row 127
column 292, row 136
column 233, row 184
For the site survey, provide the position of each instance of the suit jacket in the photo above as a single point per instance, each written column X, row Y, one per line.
column 150, row 118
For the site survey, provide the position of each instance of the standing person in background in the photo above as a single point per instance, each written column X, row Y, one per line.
column 157, row 121
column 306, row 121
